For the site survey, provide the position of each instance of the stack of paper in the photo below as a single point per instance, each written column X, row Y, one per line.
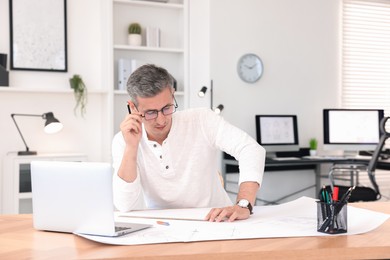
column 296, row 218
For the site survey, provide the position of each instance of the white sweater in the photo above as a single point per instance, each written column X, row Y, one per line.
column 183, row 171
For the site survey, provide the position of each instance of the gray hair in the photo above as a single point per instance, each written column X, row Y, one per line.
column 148, row 81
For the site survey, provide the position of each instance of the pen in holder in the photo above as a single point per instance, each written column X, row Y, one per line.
column 332, row 212
column 332, row 217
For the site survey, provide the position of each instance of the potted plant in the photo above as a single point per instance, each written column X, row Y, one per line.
column 313, row 146
column 134, row 37
column 80, row 93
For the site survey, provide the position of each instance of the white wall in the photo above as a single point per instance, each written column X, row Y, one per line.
column 84, row 48
column 85, row 55
column 298, row 42
column 199, row 52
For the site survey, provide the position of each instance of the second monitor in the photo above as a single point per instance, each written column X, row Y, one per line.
column 351, row 130
column 277, row 133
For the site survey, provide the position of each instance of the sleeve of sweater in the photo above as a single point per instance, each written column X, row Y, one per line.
column 234, row 141
column 127, row 196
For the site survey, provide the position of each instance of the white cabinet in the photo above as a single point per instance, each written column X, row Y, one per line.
column 172, row 20
column 16, row 182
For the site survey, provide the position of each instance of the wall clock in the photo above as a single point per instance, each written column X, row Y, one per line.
column 250, row 68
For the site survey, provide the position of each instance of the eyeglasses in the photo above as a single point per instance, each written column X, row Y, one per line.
column 166, row 111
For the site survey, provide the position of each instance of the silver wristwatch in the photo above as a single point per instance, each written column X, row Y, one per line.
column 243, row 203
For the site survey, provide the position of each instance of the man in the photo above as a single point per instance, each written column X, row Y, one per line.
column 164, row 159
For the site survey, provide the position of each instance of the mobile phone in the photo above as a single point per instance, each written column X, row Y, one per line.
column 128, row 108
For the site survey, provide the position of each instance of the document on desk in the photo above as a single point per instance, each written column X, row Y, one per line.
column 297, row 218
column 173, row 214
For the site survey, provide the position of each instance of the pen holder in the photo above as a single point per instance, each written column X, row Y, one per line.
column 332, row 217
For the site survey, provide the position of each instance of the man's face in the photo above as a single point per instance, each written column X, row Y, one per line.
column 158, row 128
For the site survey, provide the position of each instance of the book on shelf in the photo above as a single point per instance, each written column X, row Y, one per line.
column 125, row 68
column 152, row 36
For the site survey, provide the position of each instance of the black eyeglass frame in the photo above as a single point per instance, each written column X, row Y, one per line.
column 161, row 110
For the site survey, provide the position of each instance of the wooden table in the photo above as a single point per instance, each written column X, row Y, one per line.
column 18, row 240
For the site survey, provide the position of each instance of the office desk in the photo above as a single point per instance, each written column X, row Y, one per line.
column 229, row 164
column 303, row 164
column 18, row 240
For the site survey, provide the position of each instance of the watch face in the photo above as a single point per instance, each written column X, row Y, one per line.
column 243, row 203
column 250, row 68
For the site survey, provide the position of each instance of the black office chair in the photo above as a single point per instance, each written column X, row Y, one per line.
column 362, row 193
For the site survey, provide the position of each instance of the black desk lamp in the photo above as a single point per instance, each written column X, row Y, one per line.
column 52, row 125
column 202, row 93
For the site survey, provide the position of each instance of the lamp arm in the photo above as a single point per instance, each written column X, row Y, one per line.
column 17, row 127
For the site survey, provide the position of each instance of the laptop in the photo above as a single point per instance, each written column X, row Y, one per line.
column 75, row 197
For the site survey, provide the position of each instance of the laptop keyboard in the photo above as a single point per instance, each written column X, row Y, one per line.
column 121, row 228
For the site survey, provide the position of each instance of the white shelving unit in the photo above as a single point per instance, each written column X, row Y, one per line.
column 47, row 90
column 147, row 49
column 172, row 19
column 16, row 183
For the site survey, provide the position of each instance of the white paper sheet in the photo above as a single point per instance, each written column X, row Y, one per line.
column 176, row 214
column 297, row 218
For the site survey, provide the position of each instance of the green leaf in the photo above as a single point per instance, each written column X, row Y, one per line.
column 80, row 94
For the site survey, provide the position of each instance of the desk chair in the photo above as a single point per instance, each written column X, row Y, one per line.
column 362, row 193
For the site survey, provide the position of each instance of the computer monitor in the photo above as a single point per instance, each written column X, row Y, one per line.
column 277, row 133
column 351, row 130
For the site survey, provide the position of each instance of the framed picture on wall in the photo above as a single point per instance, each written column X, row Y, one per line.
column 38, row 35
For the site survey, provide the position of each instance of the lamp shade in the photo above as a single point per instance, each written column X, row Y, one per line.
column 202, row 91
column 218, row 109
column 52, row 124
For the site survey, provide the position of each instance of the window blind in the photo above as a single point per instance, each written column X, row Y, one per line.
column 366, row 54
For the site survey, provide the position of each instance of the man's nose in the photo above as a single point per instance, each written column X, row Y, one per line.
column 160, row 118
